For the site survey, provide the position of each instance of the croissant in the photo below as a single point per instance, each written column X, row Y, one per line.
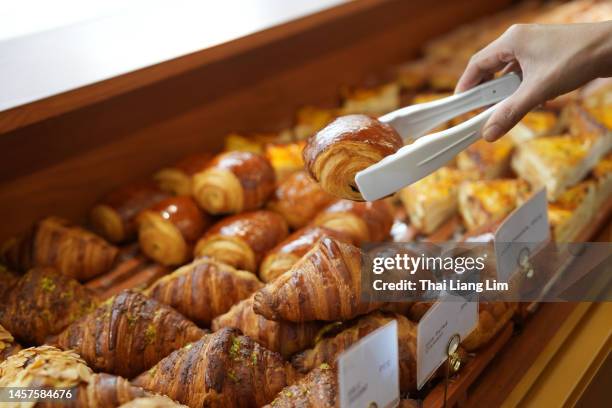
column 47, row 366
column 298, row 199
column 43, row 303
column 329, row 348
column 492, row 317
column 157, row 401
column 128, row 334
column 283, row 337
column 369, row 221
column 176, row 179
column 223, row 369
column 168, row 230
column 318, row 389
column 204, row 289
column 283, row 256
column 7, row 280
column 55, row 242
column 243, row 239
column 346, row 146
column 114, row 217
column 8, row 346
column 324, row 285
column 234, row 182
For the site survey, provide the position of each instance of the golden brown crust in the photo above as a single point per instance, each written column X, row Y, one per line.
column 157, row 401
column 42, row 303
column 204, row 289
column 318, row 389
column 176, row 179
column 298, row 199
column 362, row 221
column 7, row 280
column 114, row 217
column 224, row 369
column 8, row 345
column 128, row 334
column 243, row 239
column 346, row 146
column 57, row 243
column 492, row 317
column 485, row 159
column 234, row 182
column 324, row 285
column 168, row 230
column 283, row 337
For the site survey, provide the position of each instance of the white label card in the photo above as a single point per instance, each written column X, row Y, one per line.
column 449, row 316
column 526, row 225
column 368, row 372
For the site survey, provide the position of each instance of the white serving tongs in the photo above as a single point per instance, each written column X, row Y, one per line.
column 430, row 152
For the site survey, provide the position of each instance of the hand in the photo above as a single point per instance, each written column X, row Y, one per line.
column 553, row 60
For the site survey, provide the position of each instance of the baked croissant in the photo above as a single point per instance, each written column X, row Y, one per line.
column 8, row 345
column 157, row 401
column 128, row 334
column 346, row 146
column 114, row 217
column 204, row 289
column 324, row 285
column 318, row 389
column 176, row 179
column 223, row 369
column 47, row 366
column 55, row 242
column 234, row 182
column 43, row 303
column 283, row 256
column 243, row 239
column 492, row 317
column 298, row 199
column 283, row 337
column 168, row 230
column 328, row 349
column 363, row 222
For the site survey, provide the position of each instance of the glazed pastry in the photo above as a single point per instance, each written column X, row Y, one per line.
column 282, row 337
column 598, row 104
column 371, row 101
column 534, row 124
column 204, row 289
column 243, row 239
column 168, row 230
column 298, row 199
column 224, row 369
column 176, row 179
column 283, row 256
column 579, row 122
column 486, row 201
column 346, row 146
column 602, row 175
column 324, row 285
column 362, row 222
column 285, row 159
column 310, row 119
column 42, row 303
column 572, row 211
column 328, row 349
column 114, row 217
column 485, row 159
column 431, row 201
column 128, row 334
column 234, row 182
column 492, row 317
column 55, row 242
column 8, row 345
column 318, row 389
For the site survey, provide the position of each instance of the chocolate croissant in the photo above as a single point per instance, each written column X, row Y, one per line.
column 128, row 334
column 204, row 289
column 324, row 285
column 223, row 369
column 43, row 303
column 8, row 345
column 328, row 349
column 346, row 146
column 55, row 242
column 243, row 239
column 283, row 337
column 114, row 217
column 176, row 179
column 283, row 256
column 234, row 182
column 363, row 222
column 168, row 230
column 318, row 389
column 298, row 199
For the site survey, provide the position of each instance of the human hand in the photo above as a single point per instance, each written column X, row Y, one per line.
column 553, row 60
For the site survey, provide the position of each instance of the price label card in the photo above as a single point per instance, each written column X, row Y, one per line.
column 368, row 372
column 521, row 234
column 448, row 317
